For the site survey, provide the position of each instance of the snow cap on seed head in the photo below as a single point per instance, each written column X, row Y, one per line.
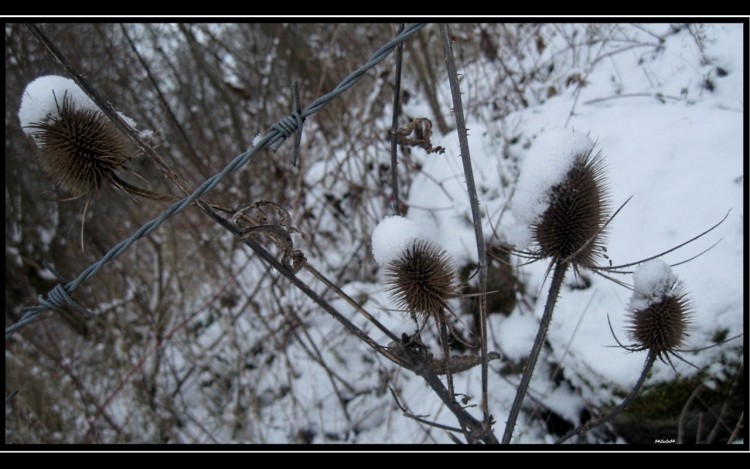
column 659, row 309
column 418, row 272
column 79, row 148
column 561, row 200
column 392, row 236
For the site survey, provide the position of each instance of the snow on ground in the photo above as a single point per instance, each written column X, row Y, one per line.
column 669, row 125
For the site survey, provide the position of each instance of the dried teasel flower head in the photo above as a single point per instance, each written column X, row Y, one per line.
column 79, row 147
column 421, row 279
column 419, row 274
column 561, row 201
column 659, row 310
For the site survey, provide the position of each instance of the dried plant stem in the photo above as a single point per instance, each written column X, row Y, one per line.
column 683, row 415
column 416, row 363
column 447, row 355
column 444, row 337
column 554, row 290
column 328, row 283
column 419, row 419
column 476, row 215
column 394, row 127
column 712, row 436
column 602, row 419
column 157, row 88
column 737, row 429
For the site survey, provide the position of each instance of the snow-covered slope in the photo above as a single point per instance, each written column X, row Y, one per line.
column 668, row 121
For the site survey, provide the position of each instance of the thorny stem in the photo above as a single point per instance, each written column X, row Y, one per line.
column 554, row 290
column 602, row 419
column 458, row 112
column 394, row 126
column 443, row 328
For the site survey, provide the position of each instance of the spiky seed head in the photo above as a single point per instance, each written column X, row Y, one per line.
column 79, row 148
column 421, row 279
column 571, row 226
column 659, row 310
column 662, row 326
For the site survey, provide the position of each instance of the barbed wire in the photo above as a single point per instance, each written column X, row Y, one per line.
column 274, row 138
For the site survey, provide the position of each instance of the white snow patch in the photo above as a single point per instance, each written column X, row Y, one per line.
column 43, row 98
column 651, row 281
column 551, row 156
column 563, row 401
column 516, row 335
column 392, row 236
column 128, row 120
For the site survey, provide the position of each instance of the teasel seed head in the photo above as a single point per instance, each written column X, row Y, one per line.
column 79, row 148
column 572, row 225
column 659, row 310
column 421, row 279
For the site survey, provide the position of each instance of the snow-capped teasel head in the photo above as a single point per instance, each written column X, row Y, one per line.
column 659, row 310
column 42, row 100
column 80, row 149
column 549, row 159
column 560, row 201
column 418, row 272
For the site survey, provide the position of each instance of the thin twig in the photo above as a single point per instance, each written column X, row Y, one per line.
column 443, row 328
column 476, row 215
column 712, row 436
column 658, row 96
column 554, row 291
column 394, row 127
column 579, row 87
column 737, row 428
column 602, row 419
column 163, row 99
column 317, row 274
column 683, row 413
column 419, row 419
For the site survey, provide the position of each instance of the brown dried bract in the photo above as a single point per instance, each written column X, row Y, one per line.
column 418, row 133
